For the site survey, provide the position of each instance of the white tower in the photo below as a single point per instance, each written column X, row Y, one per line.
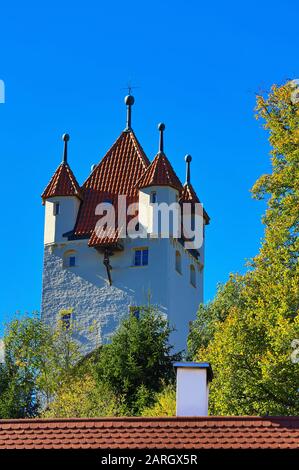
column 159, row 187
column 62, row 199
column 92, row 280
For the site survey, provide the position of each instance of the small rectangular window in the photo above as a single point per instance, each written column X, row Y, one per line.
column 137, row 260
column 153, row 197
column 135, row 311
column 141, row 257
column 66, row 320
column 72, row 261
column 145, row 257
column 56, row 208
column 178, row 262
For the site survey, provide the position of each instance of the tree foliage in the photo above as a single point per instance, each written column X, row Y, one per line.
column 83, row 396
column 248, row 335
column 138, row 361
column 38, row 360
column 209, row 315
column 164, row 404
column 44, row 372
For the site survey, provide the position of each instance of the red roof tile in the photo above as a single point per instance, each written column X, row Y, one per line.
column 62, row 183
column 116, row 174
column 160, row 173
column 152, row 433
column 124, row 169
column 188, row 194
column 112, row 234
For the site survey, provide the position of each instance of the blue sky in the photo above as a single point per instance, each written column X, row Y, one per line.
column 197, row 66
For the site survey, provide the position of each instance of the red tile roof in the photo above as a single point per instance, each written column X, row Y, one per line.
column 116, row 174
column 124, row 169
column 160, row 173
column 188, row 194
column 112, row 233
column 152, row 433
column 111, row 236
column 62, row 183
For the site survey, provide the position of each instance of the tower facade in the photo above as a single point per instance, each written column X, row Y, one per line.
column 94, row 274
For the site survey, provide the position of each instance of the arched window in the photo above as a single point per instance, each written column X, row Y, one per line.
column 178, row 262
column 192, row 275
column 70, row 259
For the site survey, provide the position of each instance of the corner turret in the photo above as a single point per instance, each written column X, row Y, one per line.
column 62, row 198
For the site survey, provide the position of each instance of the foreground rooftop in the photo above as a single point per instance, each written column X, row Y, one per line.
column 201, row 433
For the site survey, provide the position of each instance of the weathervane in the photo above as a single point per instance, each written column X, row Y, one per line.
column 130, row 87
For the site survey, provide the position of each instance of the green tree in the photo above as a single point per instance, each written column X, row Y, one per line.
column 248, row 341
column 208, row 316
column 164, row 404
column 83, row 396
column 44, row 372
column 37, row 361
column 138, row 360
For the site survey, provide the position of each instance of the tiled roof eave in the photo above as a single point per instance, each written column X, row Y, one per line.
column 160, row 184
column 168, row 433
column 78, row 195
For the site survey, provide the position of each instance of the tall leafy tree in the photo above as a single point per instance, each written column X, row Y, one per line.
column 44, row 372
column 250, row 338
column 211, row 314
column 83, row 396
column 138, row 361
column 38, row 360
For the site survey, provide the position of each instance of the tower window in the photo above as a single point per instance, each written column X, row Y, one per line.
column 70, row 259
column 56, row 208
column 153, row 197
column 65, row 318
column 178, row 262
column 135, row 311
column 66, row 321
column 192, row 275
column 141, row 257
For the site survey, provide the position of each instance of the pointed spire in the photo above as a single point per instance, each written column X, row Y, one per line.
column 161, row 128
column 188, row 160
column 129, row 101
column 63, row 182
column 160, row 173
column 65, row 139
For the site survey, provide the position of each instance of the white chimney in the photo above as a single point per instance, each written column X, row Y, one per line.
column 192, row 388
